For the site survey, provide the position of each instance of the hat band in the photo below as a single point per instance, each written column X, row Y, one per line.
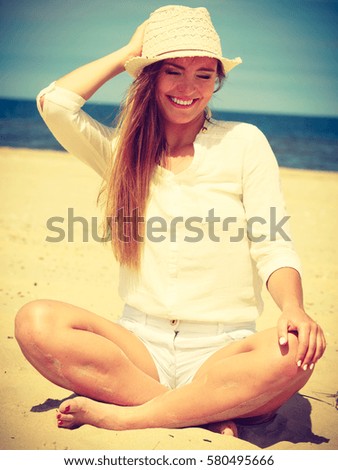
column 192, row 50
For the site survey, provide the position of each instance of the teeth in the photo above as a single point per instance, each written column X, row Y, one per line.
column 181, row 102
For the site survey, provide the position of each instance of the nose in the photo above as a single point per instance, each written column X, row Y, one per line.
column 186, row 86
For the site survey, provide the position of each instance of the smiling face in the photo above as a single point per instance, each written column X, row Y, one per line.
column 184, row 88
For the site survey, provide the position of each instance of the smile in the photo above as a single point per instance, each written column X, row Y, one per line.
column 182, row 102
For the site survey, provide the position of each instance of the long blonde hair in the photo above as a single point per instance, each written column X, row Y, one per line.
column 141, row 146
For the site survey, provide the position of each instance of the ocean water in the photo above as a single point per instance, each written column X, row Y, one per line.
column 298, row 141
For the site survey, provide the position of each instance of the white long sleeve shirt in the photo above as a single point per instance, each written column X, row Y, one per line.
column 198, row 262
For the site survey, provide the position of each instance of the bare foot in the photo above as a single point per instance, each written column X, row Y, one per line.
column 227, row 428
column 80, row 410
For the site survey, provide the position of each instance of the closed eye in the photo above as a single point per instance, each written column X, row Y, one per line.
column 172, row 72
column 205, row 77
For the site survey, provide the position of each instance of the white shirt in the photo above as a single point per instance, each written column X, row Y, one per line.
column 198, row 263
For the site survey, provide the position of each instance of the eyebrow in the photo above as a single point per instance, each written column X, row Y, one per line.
column 202, row 69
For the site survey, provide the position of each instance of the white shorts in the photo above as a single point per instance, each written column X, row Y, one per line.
column 179, row 348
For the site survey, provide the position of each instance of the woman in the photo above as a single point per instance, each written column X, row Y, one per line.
column 198, row 224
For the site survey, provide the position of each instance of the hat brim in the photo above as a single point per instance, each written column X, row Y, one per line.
column 135, row 65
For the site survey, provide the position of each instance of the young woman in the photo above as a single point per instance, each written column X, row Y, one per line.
column 198, row 225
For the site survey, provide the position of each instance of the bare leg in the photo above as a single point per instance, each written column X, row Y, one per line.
column 248, row 378
column 86, row 354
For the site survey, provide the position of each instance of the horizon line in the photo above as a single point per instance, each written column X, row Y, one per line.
column 214, row 110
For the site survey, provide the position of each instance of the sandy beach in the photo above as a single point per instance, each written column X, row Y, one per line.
column 37, row 185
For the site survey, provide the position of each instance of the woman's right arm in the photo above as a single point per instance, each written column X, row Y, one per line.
column 60, row 105
column 86, row 80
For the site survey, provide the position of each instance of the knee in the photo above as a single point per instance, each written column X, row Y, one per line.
column 285, row 360
column 31, row 321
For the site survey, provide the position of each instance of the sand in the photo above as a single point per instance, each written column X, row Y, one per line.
column 37, row 185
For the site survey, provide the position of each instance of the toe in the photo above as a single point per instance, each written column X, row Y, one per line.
column 66, row 421
column 227, row 428
column 67, row 406
column 230, row 429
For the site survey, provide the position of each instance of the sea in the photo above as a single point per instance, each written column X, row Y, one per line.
column 298, row 141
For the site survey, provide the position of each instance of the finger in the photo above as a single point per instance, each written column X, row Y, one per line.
column 282, row 331
column 313, row 338
column 303, row 343
column 320, row 347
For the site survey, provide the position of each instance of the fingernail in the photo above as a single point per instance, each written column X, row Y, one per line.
column 58, row 416
column 312, row 366
column 67, row 409
column 282, row 341
column 305, row 367
column 299, row 363
column 60, row 423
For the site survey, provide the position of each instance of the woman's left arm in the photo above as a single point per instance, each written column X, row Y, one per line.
column 272, row 250
column 285, row 287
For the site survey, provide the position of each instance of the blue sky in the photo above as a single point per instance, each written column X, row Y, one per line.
column 289, row 48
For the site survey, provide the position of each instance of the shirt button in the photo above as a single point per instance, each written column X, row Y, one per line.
column 173, row 322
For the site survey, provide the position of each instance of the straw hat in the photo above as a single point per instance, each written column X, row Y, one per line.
column 178, row 31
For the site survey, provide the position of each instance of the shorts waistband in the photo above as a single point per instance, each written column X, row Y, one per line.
column 203, row 328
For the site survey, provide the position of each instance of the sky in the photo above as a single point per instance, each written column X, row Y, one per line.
column 289, row 48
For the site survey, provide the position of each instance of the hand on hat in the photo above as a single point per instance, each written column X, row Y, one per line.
column 136, row 41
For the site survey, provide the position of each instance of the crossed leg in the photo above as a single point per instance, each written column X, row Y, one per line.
column 243, row 385
column 87, row 354
column 250, row 377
